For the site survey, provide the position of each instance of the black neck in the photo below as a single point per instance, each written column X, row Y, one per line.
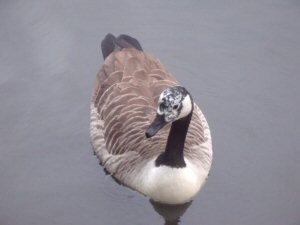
column 173, row 155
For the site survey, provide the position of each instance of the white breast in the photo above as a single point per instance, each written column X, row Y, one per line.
column 170, row 185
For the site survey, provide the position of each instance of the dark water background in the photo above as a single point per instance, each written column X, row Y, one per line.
column 239, row 59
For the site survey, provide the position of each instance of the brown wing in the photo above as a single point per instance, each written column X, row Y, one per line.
column 125, row 96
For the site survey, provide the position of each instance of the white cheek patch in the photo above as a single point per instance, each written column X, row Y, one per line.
column 186, row 107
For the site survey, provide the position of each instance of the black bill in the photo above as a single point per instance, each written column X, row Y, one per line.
column 158, row 123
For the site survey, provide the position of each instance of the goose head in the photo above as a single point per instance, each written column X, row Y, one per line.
column 174, row 103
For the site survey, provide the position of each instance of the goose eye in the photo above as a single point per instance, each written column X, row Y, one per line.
column 175, row 106
column 161, row 108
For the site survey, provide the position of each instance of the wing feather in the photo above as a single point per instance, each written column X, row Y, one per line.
column 126, row 93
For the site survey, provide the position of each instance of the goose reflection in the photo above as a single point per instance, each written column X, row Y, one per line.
column 171, row 213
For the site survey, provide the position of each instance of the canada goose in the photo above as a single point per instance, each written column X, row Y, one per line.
column 145, row 128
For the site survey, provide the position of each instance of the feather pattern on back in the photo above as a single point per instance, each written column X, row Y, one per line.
column 123, row 105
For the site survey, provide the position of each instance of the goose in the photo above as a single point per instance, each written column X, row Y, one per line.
column 145, row 128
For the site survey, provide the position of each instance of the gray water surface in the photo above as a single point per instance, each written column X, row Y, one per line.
column 239, row 59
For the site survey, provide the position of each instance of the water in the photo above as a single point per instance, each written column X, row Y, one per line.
column 239, row 59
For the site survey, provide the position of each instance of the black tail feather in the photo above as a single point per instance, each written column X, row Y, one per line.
column 110, row 44
column 126, row 41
